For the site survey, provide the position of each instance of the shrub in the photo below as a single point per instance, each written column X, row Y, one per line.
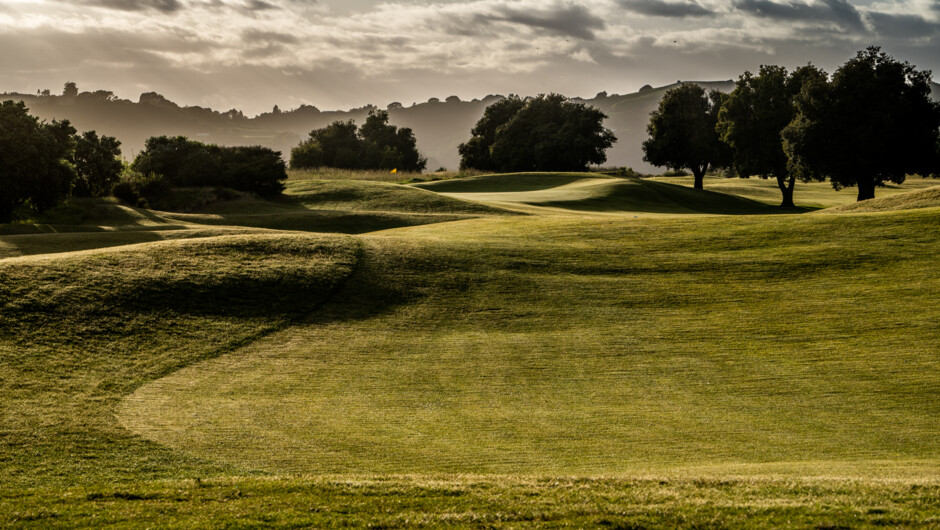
column 183, row 162
column 141, row 190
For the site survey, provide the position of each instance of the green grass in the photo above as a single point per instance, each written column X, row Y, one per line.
column 571, row 347
column 566, row 368
column 922, row 198
column 811, row 195
column 379, row 175
column 584, row 193
column 82, row 330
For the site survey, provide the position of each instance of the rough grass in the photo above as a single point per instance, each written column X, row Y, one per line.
column 482, row 502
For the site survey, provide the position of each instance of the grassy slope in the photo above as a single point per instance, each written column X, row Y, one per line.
column 81, row 330
column 69, row 352
column 583, row 193
column 350, row 207
column 552, row 346
column 922, row 198
column 813, row 195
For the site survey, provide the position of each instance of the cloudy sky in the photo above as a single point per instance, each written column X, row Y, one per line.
column 335, row 54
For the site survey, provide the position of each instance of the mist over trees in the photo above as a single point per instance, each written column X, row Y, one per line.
column 683, row 135
column 545, row 133
column 375, row 145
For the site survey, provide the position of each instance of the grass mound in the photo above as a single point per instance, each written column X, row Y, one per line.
column 348, row 207
column 379, row 197
column 590, row 346
column 586, row 192
column 77, row 332
column 506, row 182
column 91, row 215
column 923, row 198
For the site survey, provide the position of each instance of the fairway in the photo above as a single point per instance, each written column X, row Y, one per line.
column 514, row 350
column 547, row 346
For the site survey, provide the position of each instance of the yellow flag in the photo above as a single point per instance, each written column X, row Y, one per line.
column 395, row 171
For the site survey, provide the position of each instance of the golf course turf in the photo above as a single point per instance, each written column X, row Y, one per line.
column 510, row 350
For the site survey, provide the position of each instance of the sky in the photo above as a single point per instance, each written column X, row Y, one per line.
column 338, row 55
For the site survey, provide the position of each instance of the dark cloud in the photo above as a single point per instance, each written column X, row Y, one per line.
column 260, row 5
column 570, row 20
column 657, row 8
column 165, row 6
column 902, row 26
column 838, row 11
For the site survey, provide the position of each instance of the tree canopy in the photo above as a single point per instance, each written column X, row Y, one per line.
column 683, row 134
column 755, row 113
column 185, row 162
column 475, row 152
column 874, row 122
column 34, row 166
column 546, row 133
column 375, row 145
column 97, row 164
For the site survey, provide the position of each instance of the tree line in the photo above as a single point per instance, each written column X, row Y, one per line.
column 870, row 123
column 42, row 164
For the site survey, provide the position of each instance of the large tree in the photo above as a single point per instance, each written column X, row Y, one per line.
column 475, row 152
column 682, row 132
column 34, row 167
column 874, row 122
column 375, row 145
column 545, row 133
column 754, row 115
column 550, row 133
column 97, row 164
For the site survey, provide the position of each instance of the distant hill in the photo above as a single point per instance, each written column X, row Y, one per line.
column 438, row 125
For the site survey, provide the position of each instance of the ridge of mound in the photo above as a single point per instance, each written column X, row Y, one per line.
column 91, row 215
column 507, row 182
column 587, row 192
column 925, row 198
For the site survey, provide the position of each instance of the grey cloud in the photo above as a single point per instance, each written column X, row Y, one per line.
column 838, row 11
column 571, row 20
column 255, row 36
column 260, row 5
column 165, row 6
column 902, row 26
column 657, row 8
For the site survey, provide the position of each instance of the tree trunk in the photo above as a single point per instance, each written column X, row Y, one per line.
column 866, row 188
column 699, row 174
column 786, row 184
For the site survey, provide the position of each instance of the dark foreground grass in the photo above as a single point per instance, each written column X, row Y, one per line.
column 481, row 502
